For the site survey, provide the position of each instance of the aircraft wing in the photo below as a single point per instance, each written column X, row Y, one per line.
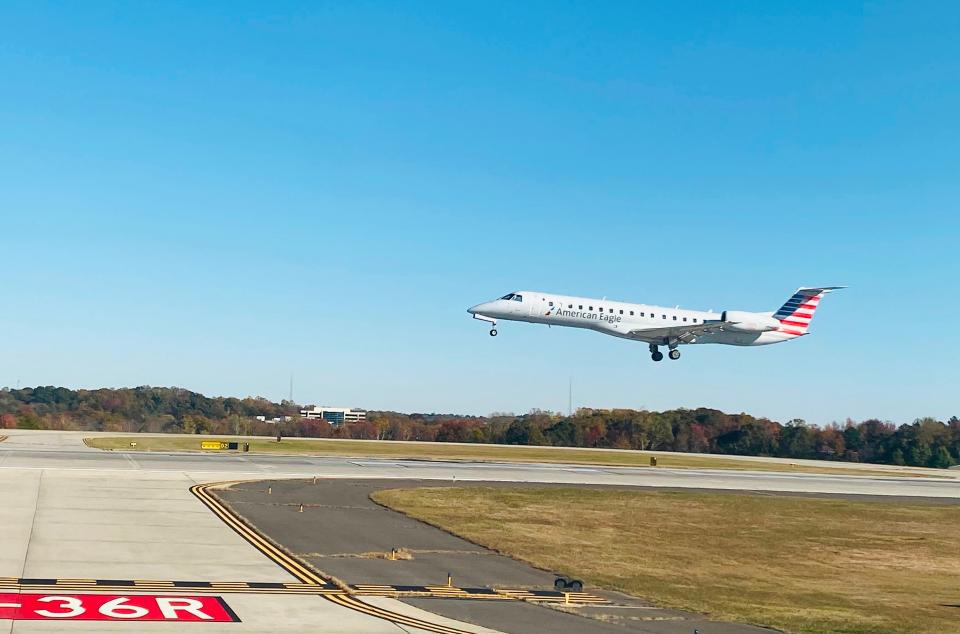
column 685, row 332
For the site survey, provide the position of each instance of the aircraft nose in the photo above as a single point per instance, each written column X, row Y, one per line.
column 479, row 308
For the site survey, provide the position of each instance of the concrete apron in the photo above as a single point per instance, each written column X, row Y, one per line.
column 146, row 525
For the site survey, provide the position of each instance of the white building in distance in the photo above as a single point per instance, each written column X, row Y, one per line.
column 281, row 419
column 336, row 416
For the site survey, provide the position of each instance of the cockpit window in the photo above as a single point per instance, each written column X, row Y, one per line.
column 517, row 298
column 507, row 296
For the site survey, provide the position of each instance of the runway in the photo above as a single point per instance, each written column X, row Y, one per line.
column 66, row 451
column 88, row 516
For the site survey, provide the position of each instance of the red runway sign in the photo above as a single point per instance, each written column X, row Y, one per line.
column 112, row 607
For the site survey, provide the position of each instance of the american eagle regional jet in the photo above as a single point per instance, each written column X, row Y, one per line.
column 655, row 325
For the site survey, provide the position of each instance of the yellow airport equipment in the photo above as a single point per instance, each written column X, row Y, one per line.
column 217, row 444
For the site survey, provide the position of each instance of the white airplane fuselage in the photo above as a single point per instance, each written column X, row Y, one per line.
column 656, row 325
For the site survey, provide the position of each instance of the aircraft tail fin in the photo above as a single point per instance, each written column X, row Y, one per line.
column 797, row 312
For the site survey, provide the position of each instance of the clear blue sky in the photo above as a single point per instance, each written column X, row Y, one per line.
column 214, row 195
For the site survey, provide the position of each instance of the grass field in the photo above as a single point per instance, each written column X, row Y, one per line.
column 798, row 564
column 446, row 451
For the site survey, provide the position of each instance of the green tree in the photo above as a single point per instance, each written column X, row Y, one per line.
column 940, row 457
column 897, row 457
column 523, row 432
column 797, row 440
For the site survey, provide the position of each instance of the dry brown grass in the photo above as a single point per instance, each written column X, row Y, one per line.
column 447, row 451
column 798, row 564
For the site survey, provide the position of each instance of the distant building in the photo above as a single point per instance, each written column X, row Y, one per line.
column 279, row 419
column 336, row 416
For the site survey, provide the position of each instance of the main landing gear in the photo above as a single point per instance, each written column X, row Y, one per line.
column 656, row 355
column 562, row 584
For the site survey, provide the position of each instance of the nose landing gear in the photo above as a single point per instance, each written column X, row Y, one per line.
column 489, row 320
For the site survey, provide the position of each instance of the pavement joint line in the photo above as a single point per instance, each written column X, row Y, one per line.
column 33, row 522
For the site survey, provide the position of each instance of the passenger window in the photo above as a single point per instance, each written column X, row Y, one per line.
column 569, row 305
column 664, row 316
column 643, row 314
column 631, row 313
column 621, row 312
column 674, row 318
column 601, row 309
column 591, row 308
column 551, row 306
column 581, row 307
column 694, row 320
column 684, row 319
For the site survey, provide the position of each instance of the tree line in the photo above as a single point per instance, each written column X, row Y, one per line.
column 926, row 442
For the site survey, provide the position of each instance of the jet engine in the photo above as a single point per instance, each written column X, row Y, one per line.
column 742, row 321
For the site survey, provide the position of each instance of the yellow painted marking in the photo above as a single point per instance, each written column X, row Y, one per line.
column 300, row 571
column 449, row 592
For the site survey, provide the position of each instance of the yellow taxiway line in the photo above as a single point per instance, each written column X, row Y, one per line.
column 302, row 572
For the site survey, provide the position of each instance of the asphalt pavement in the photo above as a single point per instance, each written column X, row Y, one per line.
column 343, row 534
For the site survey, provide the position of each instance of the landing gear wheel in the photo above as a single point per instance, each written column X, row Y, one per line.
column 493, row 332
column 560, row 584
column 674, row 354
column 657, row 356
column 575, row 586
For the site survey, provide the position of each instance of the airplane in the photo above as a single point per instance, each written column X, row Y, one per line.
column 656, row 325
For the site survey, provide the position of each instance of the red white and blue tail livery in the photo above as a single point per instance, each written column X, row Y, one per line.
column 796, row 313
column 656, row 325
